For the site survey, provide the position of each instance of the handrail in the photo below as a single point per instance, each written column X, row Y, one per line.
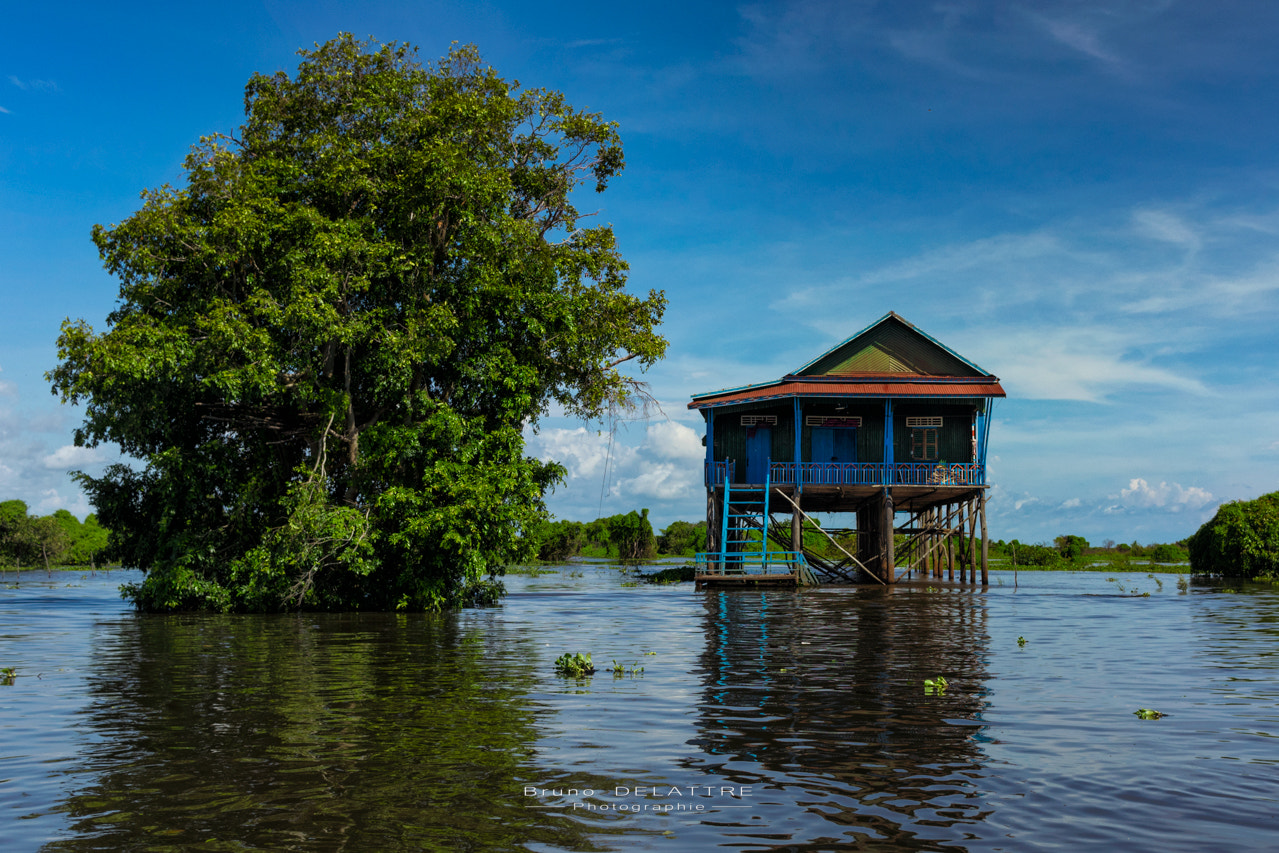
column 750, row 563
column 873, row 474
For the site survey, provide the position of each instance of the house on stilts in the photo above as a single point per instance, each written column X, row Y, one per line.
column 889, row 428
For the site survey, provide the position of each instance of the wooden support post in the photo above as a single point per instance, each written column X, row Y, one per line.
column 950, row 537
column 961, row 564
column 952, row 559
column 985, row 544
column 712, row 532
column 934, row 521
column 796, row 529
column 972, row 534
column 888, row 566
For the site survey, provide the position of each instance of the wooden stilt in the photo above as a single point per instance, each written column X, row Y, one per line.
column 950, row 537
column 985, row 544
column 888, row 566
column 972, row 534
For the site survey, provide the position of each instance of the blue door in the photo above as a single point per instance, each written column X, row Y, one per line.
column 759, row 447
column 833, row 448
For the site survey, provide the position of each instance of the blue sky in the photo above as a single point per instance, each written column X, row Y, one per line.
column 1079, row 197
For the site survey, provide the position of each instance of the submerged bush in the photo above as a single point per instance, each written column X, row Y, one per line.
column 1240, row 541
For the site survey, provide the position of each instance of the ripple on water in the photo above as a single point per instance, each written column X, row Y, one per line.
column 792, row 720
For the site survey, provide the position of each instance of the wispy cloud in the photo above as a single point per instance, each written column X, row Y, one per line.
column 34, row 85
column 1080, row 37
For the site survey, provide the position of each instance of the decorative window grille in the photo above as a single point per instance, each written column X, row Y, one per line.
column 932, row 422
column 759, row 420
column 832, row 421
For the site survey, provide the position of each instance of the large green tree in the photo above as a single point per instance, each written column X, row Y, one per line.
column 329, row 340
column 1241, row 540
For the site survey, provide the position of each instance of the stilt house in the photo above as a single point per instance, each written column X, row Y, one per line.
column 889, row 423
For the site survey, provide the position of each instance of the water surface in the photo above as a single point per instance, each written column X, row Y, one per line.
column 761, row 720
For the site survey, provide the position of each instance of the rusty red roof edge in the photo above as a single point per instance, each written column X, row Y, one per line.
column 960, row 387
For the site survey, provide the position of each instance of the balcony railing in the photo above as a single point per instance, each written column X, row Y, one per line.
column 859, row 473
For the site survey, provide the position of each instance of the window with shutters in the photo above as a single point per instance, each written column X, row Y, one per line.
column 923, row 444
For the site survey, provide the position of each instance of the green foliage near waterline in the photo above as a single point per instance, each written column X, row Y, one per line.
column 330, row 338
column 675, row 574
column 1240, row 541
column 1074, row 553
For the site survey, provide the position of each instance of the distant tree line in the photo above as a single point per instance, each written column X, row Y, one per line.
column 49, row 540
column 627, row 536
column 1070, row 549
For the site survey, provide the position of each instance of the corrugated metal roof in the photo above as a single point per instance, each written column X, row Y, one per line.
column 891, row 344
column 984, row 387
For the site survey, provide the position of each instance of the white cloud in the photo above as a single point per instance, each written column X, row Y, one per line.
column 1075, row 35
column 1071, row 504
column 1166, row 227
column 70, row 457
column 1171, row 496
column 37, row 85
column 1087, row 364
column 674, row 441
column 666, row 481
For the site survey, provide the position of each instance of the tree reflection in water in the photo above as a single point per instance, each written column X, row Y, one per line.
column 319, row 732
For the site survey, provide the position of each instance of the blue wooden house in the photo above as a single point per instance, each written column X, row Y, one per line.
column 890, row 422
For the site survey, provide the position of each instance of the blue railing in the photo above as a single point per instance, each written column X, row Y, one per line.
column 718, row 472
column 859, row 473
column 752, row 563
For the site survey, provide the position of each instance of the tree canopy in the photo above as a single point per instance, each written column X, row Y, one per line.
column 1241, row 540
column 328, row 342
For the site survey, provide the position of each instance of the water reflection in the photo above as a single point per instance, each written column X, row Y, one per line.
column 361, row 732
column 817, row 699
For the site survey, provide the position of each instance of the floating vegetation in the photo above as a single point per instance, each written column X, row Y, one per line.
column 620, row 669
column 575, row 665
column 1149, row 714
column 531, row 571
column 675, row 574
column 1183, row 584
column 935, row 686
column 1021, row 642
column 7, row 675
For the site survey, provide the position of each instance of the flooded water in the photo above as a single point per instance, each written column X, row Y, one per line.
column 761, row 720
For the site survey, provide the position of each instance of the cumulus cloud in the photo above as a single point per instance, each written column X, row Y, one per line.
column 670, row 440
column 69, row 457
column 1170, row 496
column 1071, row 504
column 663, row 471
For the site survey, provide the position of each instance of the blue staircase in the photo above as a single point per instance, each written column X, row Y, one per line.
column 745, row 509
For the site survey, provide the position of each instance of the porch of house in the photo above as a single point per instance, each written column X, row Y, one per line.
column 805, row 474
